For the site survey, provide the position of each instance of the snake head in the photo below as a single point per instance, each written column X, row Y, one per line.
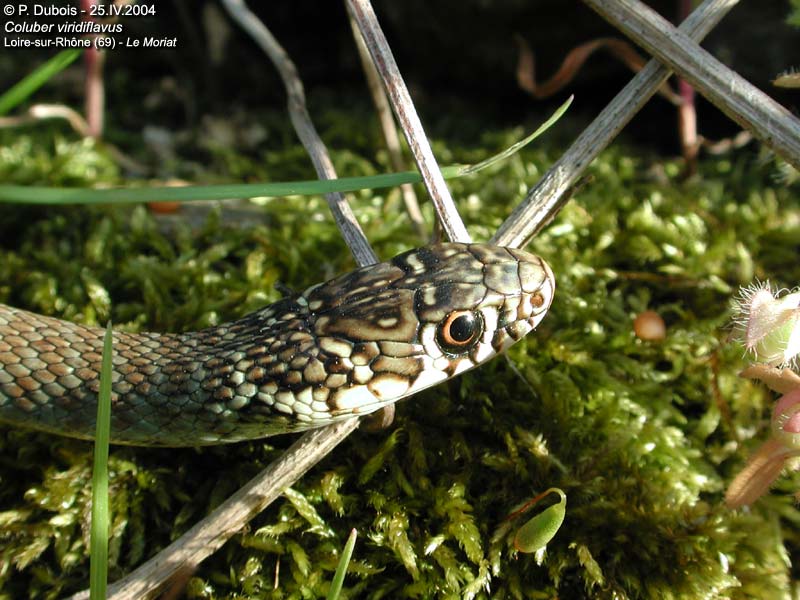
column 389, row 330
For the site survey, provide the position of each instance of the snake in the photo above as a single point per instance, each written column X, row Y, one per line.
column 340, row 349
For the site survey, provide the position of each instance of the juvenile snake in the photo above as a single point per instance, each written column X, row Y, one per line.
column 341, row 348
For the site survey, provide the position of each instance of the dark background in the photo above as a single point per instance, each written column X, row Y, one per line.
column 454, row 54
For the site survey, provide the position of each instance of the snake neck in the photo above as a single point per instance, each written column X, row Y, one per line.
column 284, row 368
column 188, row 389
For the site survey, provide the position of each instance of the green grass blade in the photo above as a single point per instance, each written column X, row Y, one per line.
column 18, row 194
column 98, row 569
column 36, row 79
column 522, row 143
column 45, row 195
column 341, row 568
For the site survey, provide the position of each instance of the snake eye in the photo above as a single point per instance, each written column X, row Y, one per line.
column 459, row 331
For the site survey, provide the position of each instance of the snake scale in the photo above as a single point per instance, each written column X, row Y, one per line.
column 341, row 348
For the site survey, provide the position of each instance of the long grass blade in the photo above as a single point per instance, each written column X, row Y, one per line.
column 19, row 92
column 17, row 194
column 46, row 195
column 98, row 569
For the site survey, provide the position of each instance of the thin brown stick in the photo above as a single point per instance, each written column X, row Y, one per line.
column 345, row 219
column 403, row 107
column 549, row 195
column 388, row 128
column 770, row 122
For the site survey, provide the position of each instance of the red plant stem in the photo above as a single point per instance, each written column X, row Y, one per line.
column 527, row 506
column 687, row 114
column 94, row 100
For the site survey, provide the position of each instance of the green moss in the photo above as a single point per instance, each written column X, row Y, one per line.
column 632, row 431
column 794, row 15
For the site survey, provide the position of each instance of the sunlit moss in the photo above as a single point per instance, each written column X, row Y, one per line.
column 633, row 432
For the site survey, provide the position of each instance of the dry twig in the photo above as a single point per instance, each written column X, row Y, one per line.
column 549, row 195
column 756, row 112
column 345, row 219
column 389, row 129
column 384, row 61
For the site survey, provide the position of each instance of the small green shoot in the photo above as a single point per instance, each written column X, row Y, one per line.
column 542, row 528
column 341, row 568
column 18, row 93
column 98, row 569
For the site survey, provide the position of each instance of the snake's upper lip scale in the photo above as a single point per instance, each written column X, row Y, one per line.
column 341, row 348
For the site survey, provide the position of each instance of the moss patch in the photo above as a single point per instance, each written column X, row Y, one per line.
column 641, row 436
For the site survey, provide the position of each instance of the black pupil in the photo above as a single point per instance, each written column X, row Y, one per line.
column 462, row 328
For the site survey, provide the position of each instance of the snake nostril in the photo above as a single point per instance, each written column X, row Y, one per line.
column 537, row 300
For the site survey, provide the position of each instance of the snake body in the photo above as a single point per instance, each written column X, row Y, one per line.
column 342, row 348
